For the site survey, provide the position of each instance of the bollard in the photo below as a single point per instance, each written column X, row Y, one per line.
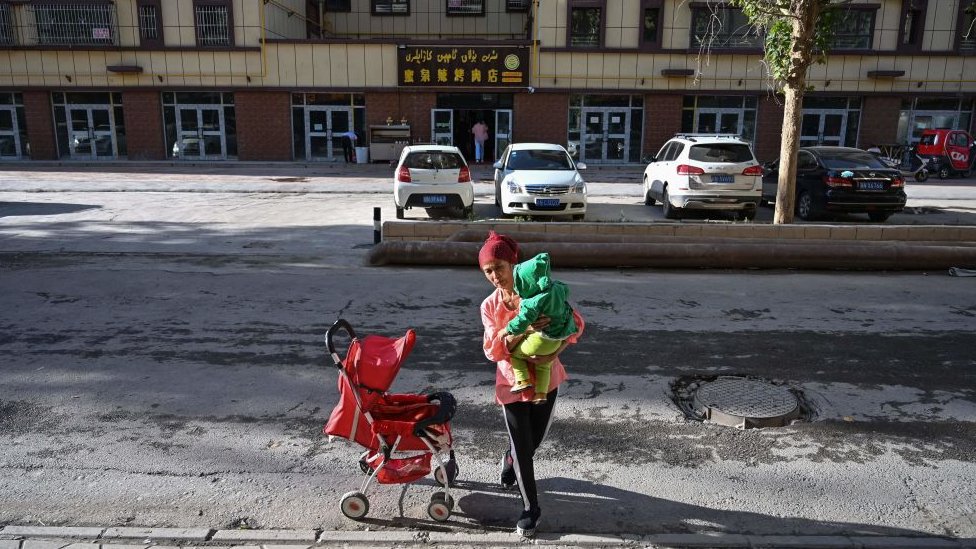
column 377, row 236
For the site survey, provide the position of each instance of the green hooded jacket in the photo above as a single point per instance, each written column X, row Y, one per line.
column 541, row 295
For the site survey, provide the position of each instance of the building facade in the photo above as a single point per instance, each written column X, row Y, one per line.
column 280, row 80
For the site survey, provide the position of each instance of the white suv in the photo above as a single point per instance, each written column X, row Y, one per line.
column 434, row 177
column 704, row 172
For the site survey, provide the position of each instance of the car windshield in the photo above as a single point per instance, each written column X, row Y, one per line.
column 721, row 152
column 433, row 160
column 851, row 160
column 537, row 159
column 929, row 139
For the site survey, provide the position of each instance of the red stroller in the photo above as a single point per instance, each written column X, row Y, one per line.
column 402, row 433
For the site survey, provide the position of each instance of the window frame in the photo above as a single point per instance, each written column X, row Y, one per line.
column 151, row 42
column 374, row 3
column 525, row 5
column 871, row 9
column 707, row 9
column 649, row 45
column 229, row 6
column 961, row 16
column 113, row 40
column 449, row 13
column 586, row 4
column 919, row 7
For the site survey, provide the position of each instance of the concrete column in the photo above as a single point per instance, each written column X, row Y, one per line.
column 143, row 125
column 662, row 119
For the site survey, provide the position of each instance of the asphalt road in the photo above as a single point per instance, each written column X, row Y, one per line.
column 163, row 365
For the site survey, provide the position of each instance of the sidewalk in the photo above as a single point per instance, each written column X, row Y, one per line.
column 32, row 537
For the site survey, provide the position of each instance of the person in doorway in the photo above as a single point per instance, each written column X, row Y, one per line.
column 527, row 423
column 349, row 145
column 480, row 132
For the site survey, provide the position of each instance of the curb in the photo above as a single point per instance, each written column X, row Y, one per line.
column 46, row 537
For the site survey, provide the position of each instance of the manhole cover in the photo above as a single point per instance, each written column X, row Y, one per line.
column 744, row 403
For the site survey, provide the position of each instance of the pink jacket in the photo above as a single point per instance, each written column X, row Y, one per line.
column 495, row 316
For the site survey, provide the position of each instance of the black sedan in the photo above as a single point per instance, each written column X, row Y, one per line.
column 840, row 179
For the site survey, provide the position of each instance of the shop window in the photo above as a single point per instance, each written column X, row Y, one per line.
column 517, row 5
column 853, row 29
column 390, row 7
column 650, row 37
column 966, row 35
column 465, row 7
column 912, row 25
column 150, row 23
column 723, row 27
column 213, row 19
column 63, row 23
column 585, row 23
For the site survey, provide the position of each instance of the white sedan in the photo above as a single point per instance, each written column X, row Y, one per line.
column 539, row 179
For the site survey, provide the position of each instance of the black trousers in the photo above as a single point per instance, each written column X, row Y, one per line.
column 527, row 425
column 347, row 149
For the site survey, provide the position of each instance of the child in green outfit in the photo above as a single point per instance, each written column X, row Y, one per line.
column 540, row 295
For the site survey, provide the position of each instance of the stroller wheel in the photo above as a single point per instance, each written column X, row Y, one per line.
column 921, row 175
column 451, row 468
column 440, row 506
column 354, row 505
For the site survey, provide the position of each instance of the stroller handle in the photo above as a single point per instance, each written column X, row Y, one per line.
column 342, row 324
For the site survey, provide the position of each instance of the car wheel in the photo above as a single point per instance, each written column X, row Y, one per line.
column 399, row 212
column 498, row 195
column 578, row 217
column 466, row 213
column 879, row 217
column 747, row 215
column 804, row 206
column 648, row 201
column 670, row 212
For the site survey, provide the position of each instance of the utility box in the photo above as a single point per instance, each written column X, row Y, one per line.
column 387, row 142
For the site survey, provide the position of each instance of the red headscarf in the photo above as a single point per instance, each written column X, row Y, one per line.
column 498, row 246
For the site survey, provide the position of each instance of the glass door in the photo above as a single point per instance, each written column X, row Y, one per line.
column 605, row 135
column 9, row 134
column 822, row 128
column 200, row 133
column 322, row 126
column 503, row 131
column 719, row 121
column 91, row 132
column 442, row 126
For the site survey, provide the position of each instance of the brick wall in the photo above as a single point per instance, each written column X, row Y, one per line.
column 415, row 107
column 263, row 125
column 40, row 125
column 541, row 117
column 769, row 128
column 143, row 125
column 879, row 121
column 662, row 119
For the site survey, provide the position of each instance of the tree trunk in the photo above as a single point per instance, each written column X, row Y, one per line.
column 786, row 185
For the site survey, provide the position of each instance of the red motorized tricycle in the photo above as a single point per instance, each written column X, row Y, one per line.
column 945, row 152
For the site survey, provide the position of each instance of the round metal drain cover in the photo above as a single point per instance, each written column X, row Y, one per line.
column 741, row 402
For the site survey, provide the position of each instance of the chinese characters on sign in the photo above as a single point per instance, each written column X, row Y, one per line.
column 437, row 66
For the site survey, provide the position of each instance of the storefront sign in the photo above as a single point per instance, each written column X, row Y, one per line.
column 463, row 66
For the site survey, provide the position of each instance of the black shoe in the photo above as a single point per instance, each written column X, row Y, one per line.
column 527, row 522
column 508, row 470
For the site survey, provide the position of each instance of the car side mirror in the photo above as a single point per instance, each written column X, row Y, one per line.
column 497, row 165
column 581, row 165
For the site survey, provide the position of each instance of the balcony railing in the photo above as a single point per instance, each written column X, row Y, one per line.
column 6, row 28
column 61, row 24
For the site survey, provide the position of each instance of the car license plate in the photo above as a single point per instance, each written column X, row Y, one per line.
column 547, row 202
column 871, row 185
column 723, row 178
column 435, row 199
